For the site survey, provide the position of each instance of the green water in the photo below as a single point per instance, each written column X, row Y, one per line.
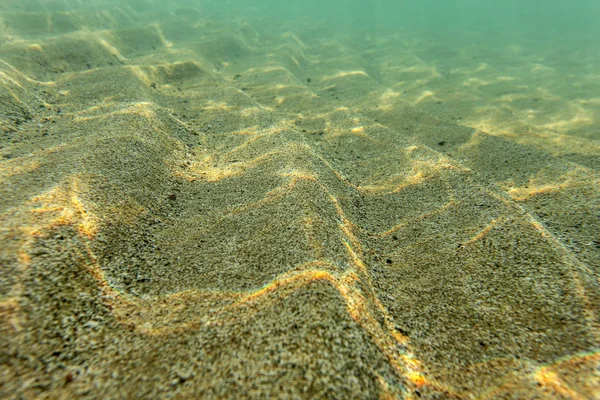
column 571, row 22
column 299, row 199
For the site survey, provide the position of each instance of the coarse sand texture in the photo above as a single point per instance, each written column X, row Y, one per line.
column 217, row 208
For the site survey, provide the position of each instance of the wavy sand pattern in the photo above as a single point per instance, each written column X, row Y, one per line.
column 195, row 208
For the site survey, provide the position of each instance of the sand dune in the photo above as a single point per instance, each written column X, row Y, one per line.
column 194, row 208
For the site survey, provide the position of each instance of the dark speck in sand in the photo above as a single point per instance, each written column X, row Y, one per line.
column 402, row 331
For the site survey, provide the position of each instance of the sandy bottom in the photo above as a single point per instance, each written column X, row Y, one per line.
column 199, row 209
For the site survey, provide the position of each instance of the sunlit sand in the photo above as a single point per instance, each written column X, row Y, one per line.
column 204, row 209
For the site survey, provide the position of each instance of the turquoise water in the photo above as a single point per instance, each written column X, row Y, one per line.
column 544, row 19
column 299, row 199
